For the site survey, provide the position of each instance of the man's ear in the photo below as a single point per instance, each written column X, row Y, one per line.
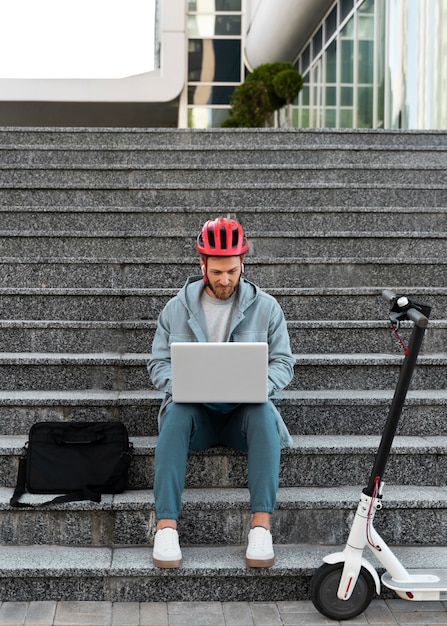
column 202, row 267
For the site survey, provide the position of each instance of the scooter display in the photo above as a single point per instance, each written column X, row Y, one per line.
column 345, row 584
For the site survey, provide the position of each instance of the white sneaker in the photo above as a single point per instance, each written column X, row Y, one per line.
column 166, row 552
column 260, row 548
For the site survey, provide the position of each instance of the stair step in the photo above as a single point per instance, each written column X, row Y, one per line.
column 233, row 196
column 172, row 176
column 124, row 304
column 306, row 412
column 348, row 336
column 127, row 273
column 355, row 412
column 212, row 573
column 213, row 516
column 132, row 336
column 40, row 244
column 201, row 139
column 134, row 220
column 313, row 460
column 359, row 371
column 59, row 371
column 127, row 574
column 137, row 409
column 229, row 156
column 83, row 304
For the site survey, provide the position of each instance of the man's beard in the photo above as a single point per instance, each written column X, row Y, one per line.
column 223, row 293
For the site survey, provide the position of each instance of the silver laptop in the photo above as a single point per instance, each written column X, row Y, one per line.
column 219, row 372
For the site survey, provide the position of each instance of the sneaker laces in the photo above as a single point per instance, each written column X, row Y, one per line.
column 259, row 540
column 169, row 540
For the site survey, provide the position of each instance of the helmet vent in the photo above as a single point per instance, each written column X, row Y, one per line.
column 223, row 238
column 211, row 239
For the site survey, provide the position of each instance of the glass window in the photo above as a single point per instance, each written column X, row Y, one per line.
column 305, row 95
column 305, row 59
column 345, row 7
column 347, row 61
column 343, row 94
column 206, row 117
column 348, row 31
column 330, row 118
column 201, row 25
column 228, row 57
column 365, row 107
column 346, row 96
column 295, row 118
column 220, row 5
column 331, row 96
column 228, row 25
column 366, row 27
column 366, row 62
column 367, row 6
column 217, row 59
column 209, row 94
column 317, row 43
column 195, row 53
column 331, row 63
column 380, row 52
column 346, row 118
column 305, row 118
column 211, row 25
column 217, row 116
column 331, row 23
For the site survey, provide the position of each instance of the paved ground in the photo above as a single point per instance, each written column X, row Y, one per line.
column 379, row 613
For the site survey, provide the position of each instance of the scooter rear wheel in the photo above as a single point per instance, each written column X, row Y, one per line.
column 324, row 587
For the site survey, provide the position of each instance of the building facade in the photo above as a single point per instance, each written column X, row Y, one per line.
column 215, row 60
column 376, row 64
column 365, row 63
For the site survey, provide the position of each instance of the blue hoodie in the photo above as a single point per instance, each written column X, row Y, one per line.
column 257, row 316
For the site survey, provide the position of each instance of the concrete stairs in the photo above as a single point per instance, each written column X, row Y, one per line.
column 97, row 233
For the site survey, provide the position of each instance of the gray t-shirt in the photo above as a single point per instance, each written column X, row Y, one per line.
column 217, row 315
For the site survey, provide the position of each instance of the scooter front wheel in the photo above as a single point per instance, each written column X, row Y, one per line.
column 324, row 587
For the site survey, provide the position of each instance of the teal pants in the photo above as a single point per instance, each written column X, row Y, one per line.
column 251, row 428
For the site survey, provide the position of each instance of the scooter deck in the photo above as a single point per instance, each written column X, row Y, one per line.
column 420, row 580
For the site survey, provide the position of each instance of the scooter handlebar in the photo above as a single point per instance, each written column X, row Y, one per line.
column 405, row 305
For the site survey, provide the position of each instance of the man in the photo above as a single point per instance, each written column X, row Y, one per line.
column 220, row 305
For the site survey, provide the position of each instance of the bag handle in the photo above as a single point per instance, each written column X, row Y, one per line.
column 69, row 436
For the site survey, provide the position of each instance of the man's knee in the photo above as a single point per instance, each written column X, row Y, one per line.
column 177, row 419
column 260, row 417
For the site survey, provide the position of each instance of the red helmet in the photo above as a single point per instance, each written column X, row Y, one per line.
column 222, row 237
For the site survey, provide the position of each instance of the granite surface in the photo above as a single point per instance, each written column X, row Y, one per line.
column 98, row 229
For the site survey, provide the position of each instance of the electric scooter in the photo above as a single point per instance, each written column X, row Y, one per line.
column 345, row 584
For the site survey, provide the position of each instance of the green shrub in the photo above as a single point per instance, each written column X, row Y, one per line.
column 270, row 87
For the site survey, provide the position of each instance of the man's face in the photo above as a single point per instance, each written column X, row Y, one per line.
column 223, row 275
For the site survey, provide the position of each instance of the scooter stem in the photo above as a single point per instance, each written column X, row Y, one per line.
column 406, row 372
